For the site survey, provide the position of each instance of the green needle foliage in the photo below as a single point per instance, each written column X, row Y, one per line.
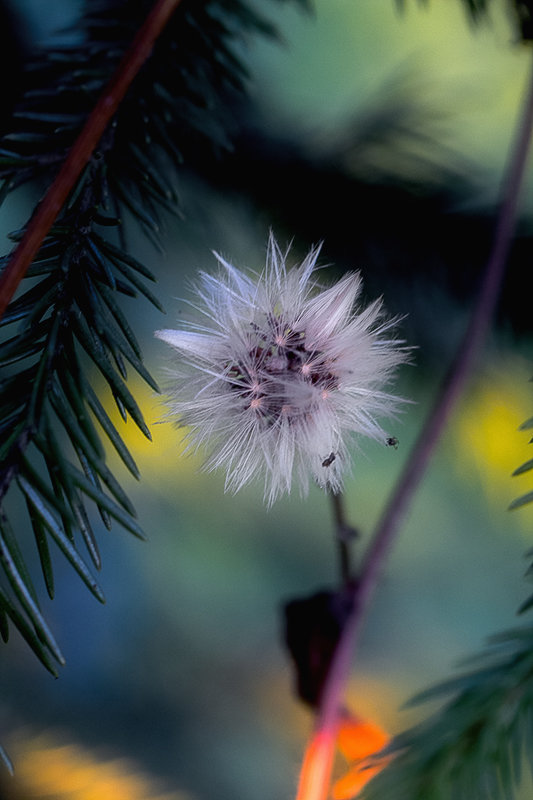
column 67, row 325
column 473, row 747
column 526, row 467
column 520, row 11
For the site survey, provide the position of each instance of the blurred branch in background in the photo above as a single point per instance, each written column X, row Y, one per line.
column 387, row 193
column 520, row 12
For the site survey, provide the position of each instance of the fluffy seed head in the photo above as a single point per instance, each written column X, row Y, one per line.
column 279, row 374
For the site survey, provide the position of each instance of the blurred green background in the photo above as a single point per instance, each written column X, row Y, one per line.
column 183, row 671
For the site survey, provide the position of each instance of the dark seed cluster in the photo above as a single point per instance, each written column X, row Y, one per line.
column 277, row 360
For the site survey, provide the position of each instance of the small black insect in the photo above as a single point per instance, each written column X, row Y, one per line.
column 329, row 460
column 392, row 441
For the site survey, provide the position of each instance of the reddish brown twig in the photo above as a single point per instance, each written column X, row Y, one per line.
column 321, row 749
column 83, row 147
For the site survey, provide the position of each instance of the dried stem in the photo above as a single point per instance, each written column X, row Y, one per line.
column 396, row 508
column 82, row 149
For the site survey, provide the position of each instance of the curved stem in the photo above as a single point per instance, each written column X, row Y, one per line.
column 82, row 149
column 396, row 508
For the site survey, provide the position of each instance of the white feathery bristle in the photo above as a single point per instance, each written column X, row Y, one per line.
column 279, row 375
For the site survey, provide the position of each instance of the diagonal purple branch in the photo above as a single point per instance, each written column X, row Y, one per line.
column 397, row 506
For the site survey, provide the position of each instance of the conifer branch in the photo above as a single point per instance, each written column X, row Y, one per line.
column 528, row 497
column 473, row 746
column 71, row 320
column 396, row 508
column 82, row 150
column 521, row 12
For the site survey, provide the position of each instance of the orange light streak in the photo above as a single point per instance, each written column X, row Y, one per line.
column 358, row 740
column 316, row 767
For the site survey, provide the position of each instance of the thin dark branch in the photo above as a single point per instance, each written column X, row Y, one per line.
column 396, row 508
column 455, row 380
column 344, row 533
column 83, row 148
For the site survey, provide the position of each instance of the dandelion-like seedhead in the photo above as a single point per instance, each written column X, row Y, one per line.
column 280, row 375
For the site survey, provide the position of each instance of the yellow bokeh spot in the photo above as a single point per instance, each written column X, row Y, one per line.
column 163, row 459
column 486, row 440
column 48, row 770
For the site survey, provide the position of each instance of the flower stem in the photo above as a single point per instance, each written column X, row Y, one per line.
column 396, row 508
column 344, row 533
column 82, row 149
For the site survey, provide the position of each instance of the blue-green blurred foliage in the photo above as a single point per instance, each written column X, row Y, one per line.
column 384, row 134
